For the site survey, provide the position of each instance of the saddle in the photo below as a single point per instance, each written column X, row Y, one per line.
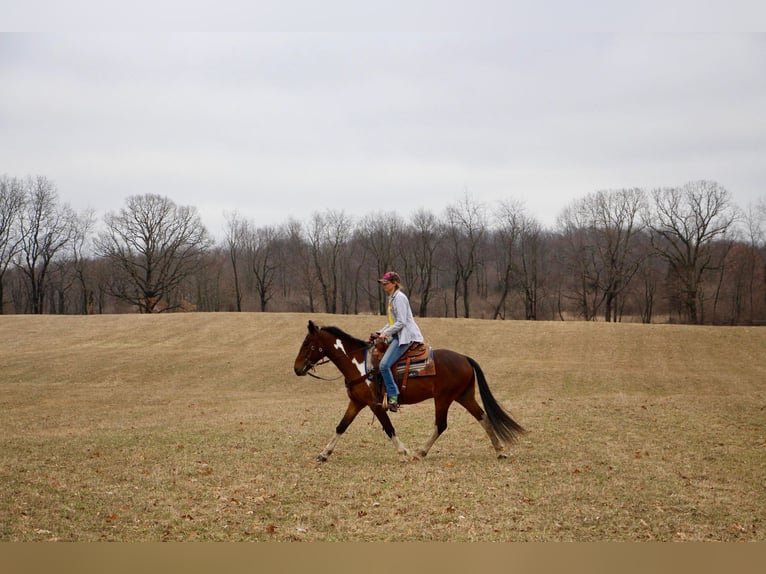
column 417, row 361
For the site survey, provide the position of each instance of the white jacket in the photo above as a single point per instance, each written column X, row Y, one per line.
column 401, row 321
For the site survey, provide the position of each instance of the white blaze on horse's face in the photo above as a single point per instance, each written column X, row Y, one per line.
column 359, row 366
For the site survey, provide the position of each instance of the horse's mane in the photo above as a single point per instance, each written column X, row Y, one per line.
column 340, row 333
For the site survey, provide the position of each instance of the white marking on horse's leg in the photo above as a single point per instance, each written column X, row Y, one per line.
column 400, row 448
column 329, row 448
column 423, row 451
column 492, row 435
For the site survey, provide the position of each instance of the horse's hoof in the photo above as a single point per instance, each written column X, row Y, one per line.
column 321, row 458
column 502, row 455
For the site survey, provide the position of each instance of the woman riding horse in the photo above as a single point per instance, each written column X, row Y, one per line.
column 454, row 381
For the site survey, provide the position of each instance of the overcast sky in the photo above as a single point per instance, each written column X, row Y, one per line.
column 280, row 124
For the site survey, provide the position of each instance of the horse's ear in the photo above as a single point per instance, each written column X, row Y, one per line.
column 312, row 327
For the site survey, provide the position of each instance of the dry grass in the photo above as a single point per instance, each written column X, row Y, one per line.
column 193, row 427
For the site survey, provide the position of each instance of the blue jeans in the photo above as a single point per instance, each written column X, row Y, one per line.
column 393, row 353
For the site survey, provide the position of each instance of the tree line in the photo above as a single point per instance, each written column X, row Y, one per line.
column 683, row 254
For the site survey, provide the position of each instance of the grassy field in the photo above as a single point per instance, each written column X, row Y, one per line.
column 194, row 427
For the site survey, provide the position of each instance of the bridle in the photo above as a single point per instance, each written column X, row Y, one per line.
column 323, row 360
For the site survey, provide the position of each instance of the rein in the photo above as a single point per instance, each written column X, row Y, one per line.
column 310, row 374
column 349, row 384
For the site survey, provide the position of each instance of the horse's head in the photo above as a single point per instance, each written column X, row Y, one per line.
column 311, row 351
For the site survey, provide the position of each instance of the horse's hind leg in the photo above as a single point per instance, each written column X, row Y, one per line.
column 351, row 411
column 423, row 450
column 440, row 425
column 468, row 400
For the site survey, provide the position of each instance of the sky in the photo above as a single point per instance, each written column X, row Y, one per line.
column 302, row 107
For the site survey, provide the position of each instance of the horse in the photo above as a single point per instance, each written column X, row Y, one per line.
column 454, row 381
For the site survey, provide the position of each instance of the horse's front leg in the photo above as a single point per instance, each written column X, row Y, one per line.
column 351, row 411
column 388, row 427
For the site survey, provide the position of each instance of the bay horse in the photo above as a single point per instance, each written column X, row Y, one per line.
column 454, row 381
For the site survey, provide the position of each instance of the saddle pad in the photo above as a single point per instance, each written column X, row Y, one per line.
column 421, row 368
column 421, row 365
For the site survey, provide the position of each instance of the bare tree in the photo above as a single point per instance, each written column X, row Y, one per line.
column 579, row 259
column 299, row 263
column 757, row 238
column 234, row 241
column 12, row 198
column 329, row 234
column 648, row 275
column 209, row 287
column 601, row 230
column 466, row 231
column 424, row 243
column 82, row 231
column 531, row 247
column 509, row 216
column 67, row 284
column 46, row 229
column 261, row 247
column 760, row 242
column 617, row 218
column 153, row 246
column 736, row 285
column 726, row 268
column 754, row 232
column 687, row 220
column 380, row 235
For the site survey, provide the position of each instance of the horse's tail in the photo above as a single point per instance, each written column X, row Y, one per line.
column 506, row 428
